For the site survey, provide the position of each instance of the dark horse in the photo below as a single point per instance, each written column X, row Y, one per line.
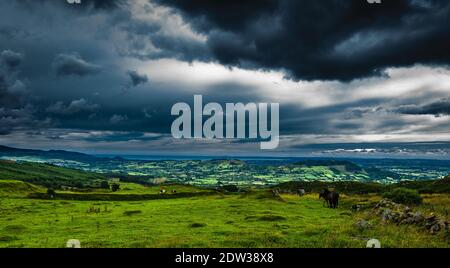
column 331, row 197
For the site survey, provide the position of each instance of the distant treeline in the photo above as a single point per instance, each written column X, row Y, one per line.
column 349, row 187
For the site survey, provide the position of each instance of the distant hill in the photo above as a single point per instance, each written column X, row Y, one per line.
column 48, row 175
column 50, row 154
column 345, row 166
column 13, row 188
column 233, row 162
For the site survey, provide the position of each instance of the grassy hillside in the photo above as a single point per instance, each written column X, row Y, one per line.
column 13, row 188
column 47, row 175
column 188, row 216
column 253, row 219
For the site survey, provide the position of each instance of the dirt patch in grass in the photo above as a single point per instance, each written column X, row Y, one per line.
column 271, row 218
column 197, row 225
column 131, row 212
column 267, row 217
column 15, row 228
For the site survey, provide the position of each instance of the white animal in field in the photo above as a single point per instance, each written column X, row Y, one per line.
column 373, row 243
column 162, row 191
column 73, row 243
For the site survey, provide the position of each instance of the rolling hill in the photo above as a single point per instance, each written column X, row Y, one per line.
column 50, row 154
column 47, row 175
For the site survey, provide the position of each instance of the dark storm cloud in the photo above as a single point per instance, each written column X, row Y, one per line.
column 11, row 59
column 330, row 119
column 379, row 149
column 103, row 4
column 118, row 118
column 225, row 14
column 122, row 136
column 86, row 4
column 11, row 87
column 159, row 38
column 438, row 108
column 378, row 146
column 74, row 107
column 137, row 78
column 13, row 119
column 73, row 64
column 329, row 40
column 100, row 47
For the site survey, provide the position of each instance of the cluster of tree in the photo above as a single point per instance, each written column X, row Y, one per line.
column 115, row 186
column 351, row 187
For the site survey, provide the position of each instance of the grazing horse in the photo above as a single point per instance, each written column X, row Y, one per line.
column 330, row 197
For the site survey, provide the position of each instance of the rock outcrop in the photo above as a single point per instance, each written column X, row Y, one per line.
column 401, row 214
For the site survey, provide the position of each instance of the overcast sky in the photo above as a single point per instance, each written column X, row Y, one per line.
column 352, row 79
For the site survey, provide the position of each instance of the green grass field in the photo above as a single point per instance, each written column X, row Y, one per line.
column 253, row 219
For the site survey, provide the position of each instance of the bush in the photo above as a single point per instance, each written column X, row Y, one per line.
column 231, row 188
column 404, row 196
column 115, row 187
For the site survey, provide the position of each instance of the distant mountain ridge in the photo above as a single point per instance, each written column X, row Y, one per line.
column 50, row 154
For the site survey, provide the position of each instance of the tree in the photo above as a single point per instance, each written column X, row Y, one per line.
column 104, row 184
column 115, row 187
column 51, row 192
